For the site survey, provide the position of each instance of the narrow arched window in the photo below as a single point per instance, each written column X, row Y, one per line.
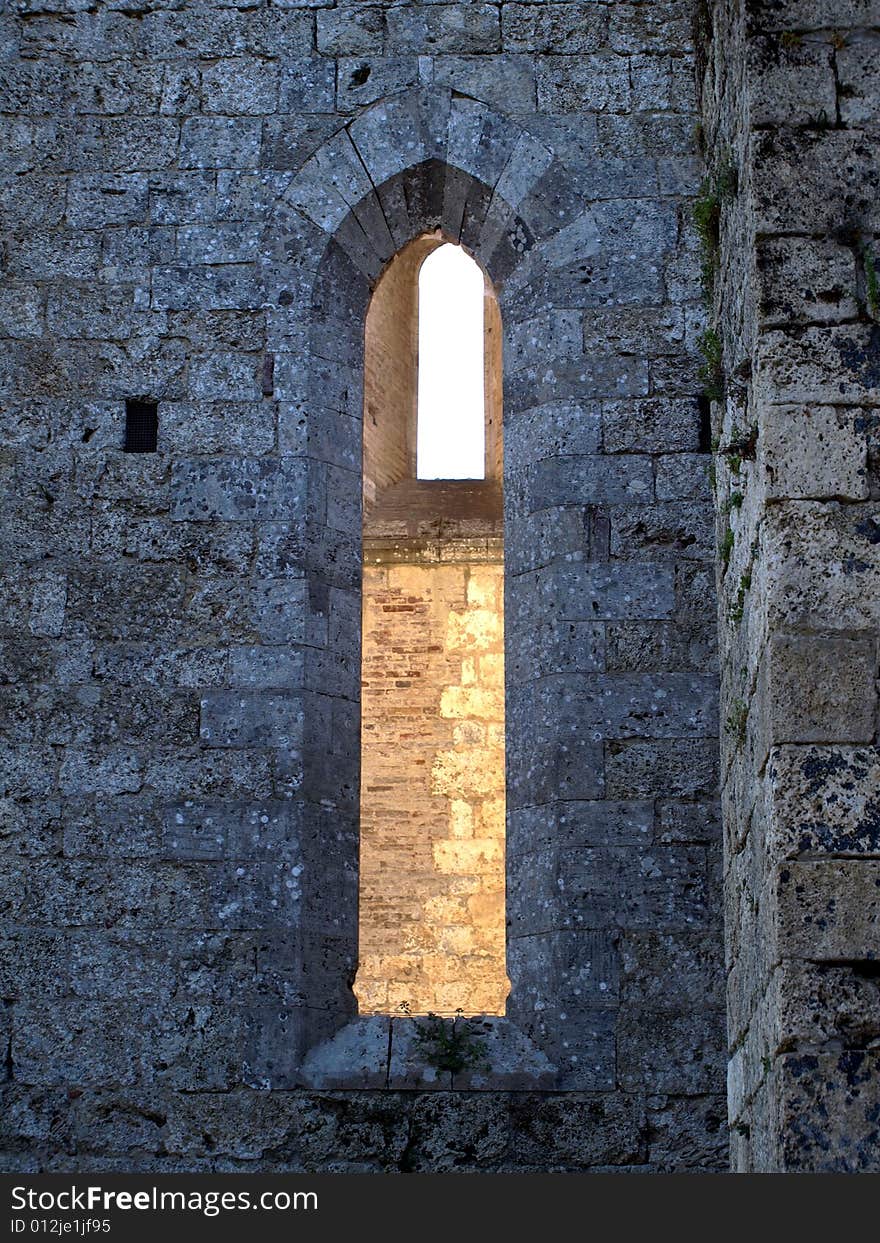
column 432, row 811
column 451, row 439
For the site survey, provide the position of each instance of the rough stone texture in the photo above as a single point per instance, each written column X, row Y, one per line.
column 432, row 790
column 790, row 99
column 198, row 202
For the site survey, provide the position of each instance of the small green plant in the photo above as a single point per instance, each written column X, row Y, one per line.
column 742, row 447
column 734, row 501
column 735, row 725
column 711, row 371
column 735, row 612
column 790, row 38
column 707, row 221
column 725, row 548
column 872, row 283
column 450, row 1044
column 714, row 190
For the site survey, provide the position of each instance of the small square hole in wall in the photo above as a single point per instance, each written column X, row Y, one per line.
column 141, row 426
column 704, row 411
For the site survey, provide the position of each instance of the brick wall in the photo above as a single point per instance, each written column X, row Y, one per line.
column 432, row 789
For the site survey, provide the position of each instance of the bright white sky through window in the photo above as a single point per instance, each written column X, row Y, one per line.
column 451, row 414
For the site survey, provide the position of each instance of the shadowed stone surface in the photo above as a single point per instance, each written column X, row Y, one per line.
column 196, row 206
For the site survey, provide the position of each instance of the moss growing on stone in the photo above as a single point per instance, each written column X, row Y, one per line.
column 711, row 371
column 715, row 189
column 725, row 548
column 735, row 612
column 735, row 725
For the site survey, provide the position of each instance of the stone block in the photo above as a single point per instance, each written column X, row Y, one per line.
column 839, row 1086
column 220, row 142
column 652, row 425
column 670, row 530
column 821, row 689
column 238, row 489
column 220, row 287
column 827, row 909
column 822, row 567
column 680, row 768
column 682, row 476
column 240, row 87
column 662, row 646
column 824, row 800
column 639, row 705
column 813, row 1004
column 663, row 27
column 672, row 970
column 94, row 202
column 556, row 647
column 575, row 28
column 355, row 1057
column 266, row 667
column 444, row 28
column 564, row 969
column 48, row 604
column 688, row 1133
column 215, row 243
column 633, row 887
column 680, row 1054
column 458, row 1133
column 813, row 452
column 596, row 377
column 351, row 31
column 585, row 1066
column 788, row 15
column 561, row 428
column 591, row 83
column 583, row 591
column 361, row 80
column 805, row 281
column 583, row 1131
column 569, row 767
column 689, row 822
column 113, row 772
column 859, row 79
column 607, row 822
column 220, row 376
column 791, row 83
column 790, row 180
column 243, row 1124
column 103, row 313
column 589, row 479
column 506, row 82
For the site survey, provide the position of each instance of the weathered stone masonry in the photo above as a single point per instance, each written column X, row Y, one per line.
column 198, row 200
column 791, row 100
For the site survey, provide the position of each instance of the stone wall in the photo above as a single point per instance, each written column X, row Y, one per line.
column 791, row 102
column 432, row 789
column 203, row 198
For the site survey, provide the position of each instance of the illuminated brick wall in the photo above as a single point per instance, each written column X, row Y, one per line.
column 432, row 789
